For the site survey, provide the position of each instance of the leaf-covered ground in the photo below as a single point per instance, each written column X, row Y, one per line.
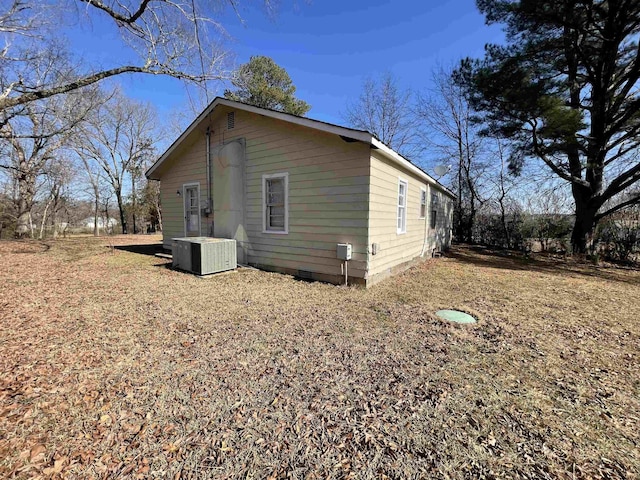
column 114, row 366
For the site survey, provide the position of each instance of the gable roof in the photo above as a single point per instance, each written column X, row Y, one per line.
column 344, row 132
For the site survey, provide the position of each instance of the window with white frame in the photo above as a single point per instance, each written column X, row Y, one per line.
column 423, row 203
column 402, row 206
column 434, row 210
column 275, row 198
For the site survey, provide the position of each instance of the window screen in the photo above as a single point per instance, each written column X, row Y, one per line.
column 434, row 210
column 402, row 206
column 423, row 203
column 275, row 207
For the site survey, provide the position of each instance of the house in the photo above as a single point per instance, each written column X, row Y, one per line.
column 289, row 189
column 90, row 222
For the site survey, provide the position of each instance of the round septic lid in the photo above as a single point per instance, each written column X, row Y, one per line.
column 455, row 316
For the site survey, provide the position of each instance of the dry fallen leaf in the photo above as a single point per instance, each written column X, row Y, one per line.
column 58, row 465
column 170, row 448
column 106, row 420
column 37, row 453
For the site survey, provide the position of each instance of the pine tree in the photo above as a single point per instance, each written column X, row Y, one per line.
column 564, row 88
column 261, row 82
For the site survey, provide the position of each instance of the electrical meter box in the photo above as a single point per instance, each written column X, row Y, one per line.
column 344, row 251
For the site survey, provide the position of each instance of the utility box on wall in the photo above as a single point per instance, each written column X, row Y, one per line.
column 204, row 255
column 344, row 251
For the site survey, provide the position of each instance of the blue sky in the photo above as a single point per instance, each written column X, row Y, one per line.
column 328, row 47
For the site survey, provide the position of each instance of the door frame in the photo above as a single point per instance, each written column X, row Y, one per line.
column 184, row 207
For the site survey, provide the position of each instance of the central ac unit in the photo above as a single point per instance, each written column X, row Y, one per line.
column 204, row 255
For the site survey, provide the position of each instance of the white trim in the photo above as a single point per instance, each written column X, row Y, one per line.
column 400, row 230
column 426, row 201
column 184, row 207
column 266, row 177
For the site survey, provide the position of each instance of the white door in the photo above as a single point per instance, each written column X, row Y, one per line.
column 191, row 210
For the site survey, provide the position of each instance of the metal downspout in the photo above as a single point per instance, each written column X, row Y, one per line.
column 209, row 197
column 426, row 220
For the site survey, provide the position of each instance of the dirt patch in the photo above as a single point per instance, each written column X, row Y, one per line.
column 113, row 366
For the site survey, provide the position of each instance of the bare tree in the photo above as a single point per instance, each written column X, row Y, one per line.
column 33, row 137
column 446, row 118
column 135, row 173
column 117, row 138
column 384, row 109
column 503, row 186
column 179, row 38
column 151, row 194
column 17, row 18
column 94, row 178
column 58, row 176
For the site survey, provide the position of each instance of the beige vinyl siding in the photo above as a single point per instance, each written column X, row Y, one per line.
column 328, row 192
column 395, row 248
column 191, row 168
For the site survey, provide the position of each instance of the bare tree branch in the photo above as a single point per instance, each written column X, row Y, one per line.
column 634, row 200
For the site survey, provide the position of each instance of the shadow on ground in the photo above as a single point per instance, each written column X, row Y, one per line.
column 150, row 249
column 558, row 265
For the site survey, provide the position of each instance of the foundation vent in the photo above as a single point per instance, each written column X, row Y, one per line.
column 305, row 275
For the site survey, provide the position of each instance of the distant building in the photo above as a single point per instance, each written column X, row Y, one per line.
column 90, row 222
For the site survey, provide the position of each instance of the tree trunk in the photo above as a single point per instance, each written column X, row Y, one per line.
column 96, row 206
column 22, row 223
column 54, row 212
column 107, row 228
column 26, row 189
column 44, row 216
column 123, row 217
column 133, row 201
column 159, row 212
column 472, row 218
column 503, row 222
column 584, row 226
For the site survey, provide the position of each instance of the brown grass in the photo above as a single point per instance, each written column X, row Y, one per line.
column 114, row 366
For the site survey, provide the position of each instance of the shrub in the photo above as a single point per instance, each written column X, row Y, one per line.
column 618, row 239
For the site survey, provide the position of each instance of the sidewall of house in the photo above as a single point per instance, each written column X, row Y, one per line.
column 393, row 249
column 328, row 192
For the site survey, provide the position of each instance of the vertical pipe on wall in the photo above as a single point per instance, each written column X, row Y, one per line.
column 209, row 198
column 426, row 222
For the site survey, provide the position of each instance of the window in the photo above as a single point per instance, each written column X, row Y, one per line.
column 275, row 199
column 434, row 210
column 402, row 206
column 423, row 203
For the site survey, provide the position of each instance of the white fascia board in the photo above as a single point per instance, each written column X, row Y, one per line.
column 392, row 155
